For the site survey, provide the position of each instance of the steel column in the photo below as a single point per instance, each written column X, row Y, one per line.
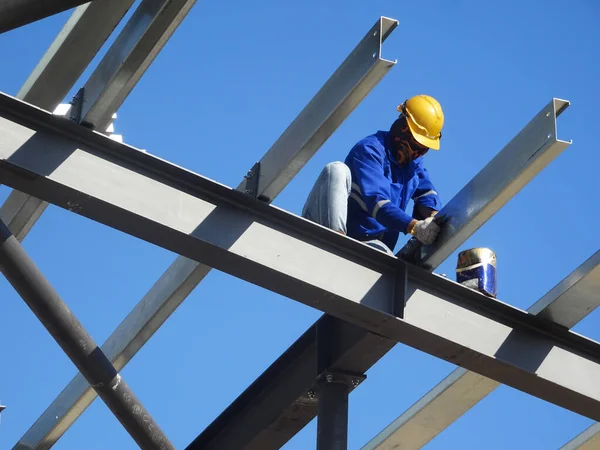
column 333, row 103
column 44, row 301
column 332, row 418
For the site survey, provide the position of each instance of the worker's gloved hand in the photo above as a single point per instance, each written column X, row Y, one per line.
column 426, row 231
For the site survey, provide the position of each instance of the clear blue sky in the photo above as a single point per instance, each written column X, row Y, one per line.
column 227, row 84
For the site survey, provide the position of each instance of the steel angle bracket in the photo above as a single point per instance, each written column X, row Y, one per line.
column 526, row 155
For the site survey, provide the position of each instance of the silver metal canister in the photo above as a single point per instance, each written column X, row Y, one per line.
column 476, row 269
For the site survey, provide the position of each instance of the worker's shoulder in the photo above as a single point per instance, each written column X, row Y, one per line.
column 373, row 143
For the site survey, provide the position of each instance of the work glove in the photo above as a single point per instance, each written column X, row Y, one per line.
column 426, row 231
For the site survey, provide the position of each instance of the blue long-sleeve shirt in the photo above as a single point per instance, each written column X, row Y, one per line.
column 381, row 190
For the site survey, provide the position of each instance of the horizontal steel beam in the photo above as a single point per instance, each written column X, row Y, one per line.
column 273, row 426
column 588, row 440
column 333, row 103
column 141, row 40
column 70, row 53
column 164, row 204
column 17, row 13
column 461, row 390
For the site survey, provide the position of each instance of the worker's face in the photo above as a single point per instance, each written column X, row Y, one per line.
column 407, row 149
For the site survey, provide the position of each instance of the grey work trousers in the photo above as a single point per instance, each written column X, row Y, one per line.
column 327, row 203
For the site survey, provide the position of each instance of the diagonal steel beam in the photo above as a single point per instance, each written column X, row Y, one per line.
column 70, row 53
column 333, row 103
column 569, row 302
column 17, row 13
column 159, row 202
column 264, row 418
column 43, row 300
column 143, row 37
column 588, row 440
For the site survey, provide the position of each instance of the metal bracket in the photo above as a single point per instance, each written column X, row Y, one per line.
column 350, row 379
column 252, row 179
column 77, row 109
column 77, row 106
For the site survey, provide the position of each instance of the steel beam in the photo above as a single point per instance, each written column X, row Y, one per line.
column 25, row 277
column 17, row 13
column 588, row 440
column 134, row 50
column 461, row 390
column 333, row 103
column 70, row 53
column 164, row 204
column 265, row 419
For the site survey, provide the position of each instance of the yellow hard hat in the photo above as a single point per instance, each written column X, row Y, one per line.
column 425, row 119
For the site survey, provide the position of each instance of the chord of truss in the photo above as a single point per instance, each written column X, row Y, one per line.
column 569, row 302
column 588, row 440
column 17, row 13
column 339, row 96
column 70, row 53
column 276, row 406
column 25, row 277
column 166, row 205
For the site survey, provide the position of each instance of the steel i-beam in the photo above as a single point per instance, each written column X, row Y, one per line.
column 70, row 53
column 569, row 302
column 340, row 95
column 67, row 331
column 265, row 418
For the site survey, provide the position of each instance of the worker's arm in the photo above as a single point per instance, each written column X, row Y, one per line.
column 372, row 189
column 426, row 199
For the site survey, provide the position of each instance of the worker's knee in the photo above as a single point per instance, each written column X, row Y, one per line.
column 338, row 172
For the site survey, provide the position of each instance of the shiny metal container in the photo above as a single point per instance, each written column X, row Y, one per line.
column 476, row 269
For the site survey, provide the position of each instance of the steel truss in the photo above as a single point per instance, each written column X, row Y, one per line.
column 378, row 301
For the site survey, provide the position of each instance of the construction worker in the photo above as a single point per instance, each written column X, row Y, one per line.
column 365, row 197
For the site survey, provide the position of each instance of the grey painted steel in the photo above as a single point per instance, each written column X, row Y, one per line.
column 358, row 351
column 461, row 390
column 159, row 202
column 43, row 300
column 588, row 440
column 136, row 47
column 332, row 416
column 575, row 297
column 17, row 13
column 358, row 73
column 70, row 53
